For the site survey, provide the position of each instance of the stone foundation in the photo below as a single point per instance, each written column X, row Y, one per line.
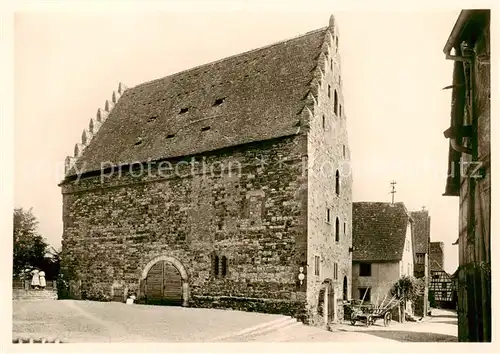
column 293, row 308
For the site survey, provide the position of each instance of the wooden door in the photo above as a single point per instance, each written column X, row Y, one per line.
column 163, row 285
column 331, row 305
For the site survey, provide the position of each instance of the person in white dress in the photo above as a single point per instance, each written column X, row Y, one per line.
column 35, row 280
column 43, row 284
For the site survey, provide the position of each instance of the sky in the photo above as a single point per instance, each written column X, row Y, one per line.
column 67, row 64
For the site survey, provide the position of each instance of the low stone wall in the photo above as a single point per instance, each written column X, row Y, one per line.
column 291, row 308
column 23, row 294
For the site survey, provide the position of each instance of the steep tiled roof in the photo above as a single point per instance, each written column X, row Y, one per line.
column 379, row 231
column 421, row 231
column 254, row 96
column 436, row 256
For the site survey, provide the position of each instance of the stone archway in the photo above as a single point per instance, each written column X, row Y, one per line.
column 177, row 265
column 326, row 301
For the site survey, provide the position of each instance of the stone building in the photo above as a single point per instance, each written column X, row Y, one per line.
column 382, row 248
column 226, row 185
column 421, row 237
column 469, row 171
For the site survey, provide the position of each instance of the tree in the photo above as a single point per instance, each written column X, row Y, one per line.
column 407, row 288
column 29, row 246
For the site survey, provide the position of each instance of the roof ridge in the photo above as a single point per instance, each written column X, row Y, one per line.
column 146, row 83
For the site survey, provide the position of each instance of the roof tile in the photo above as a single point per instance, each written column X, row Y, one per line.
column 379, row 231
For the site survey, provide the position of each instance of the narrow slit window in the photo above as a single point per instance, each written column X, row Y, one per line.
column 324, row 122
column 329, row 89
column 331, row 64
column 337, row 182
column 337, row 230
column 205, row 129
column 335, row 103
column 183, row 110
column 215, row 265
column 223, row 266
column 328, row 215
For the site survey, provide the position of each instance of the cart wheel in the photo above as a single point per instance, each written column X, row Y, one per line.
column 387, row 319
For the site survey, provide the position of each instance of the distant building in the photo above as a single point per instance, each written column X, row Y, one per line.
column 383, row 248
column 421, row 238
column 226, row 185
column 436, row 258
column 442, row 289
column 469, row 169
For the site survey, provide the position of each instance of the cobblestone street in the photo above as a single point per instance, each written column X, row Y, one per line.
column 99, row 322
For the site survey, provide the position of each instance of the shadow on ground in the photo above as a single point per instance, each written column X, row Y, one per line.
column 444, row 316
column 405, row 336
column 451, row 322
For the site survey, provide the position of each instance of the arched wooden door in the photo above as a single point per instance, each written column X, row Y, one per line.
column 163, row 285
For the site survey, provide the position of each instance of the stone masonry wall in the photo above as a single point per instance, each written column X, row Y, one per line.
column 328, row 152
column 114, row 225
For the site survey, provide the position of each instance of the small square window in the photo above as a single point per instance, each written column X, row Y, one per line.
column 365, row 270
column 219, row 101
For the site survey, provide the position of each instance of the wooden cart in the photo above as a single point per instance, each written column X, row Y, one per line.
column 369, row 314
